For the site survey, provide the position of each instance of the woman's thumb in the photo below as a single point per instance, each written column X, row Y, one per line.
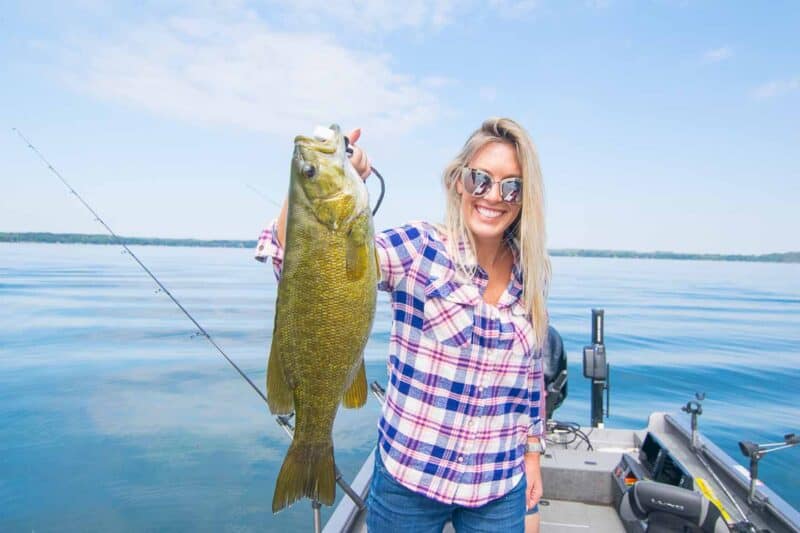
column 354, row 135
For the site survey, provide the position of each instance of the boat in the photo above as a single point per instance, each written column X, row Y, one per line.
column 664, row 477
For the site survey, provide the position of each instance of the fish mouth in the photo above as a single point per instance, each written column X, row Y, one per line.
column 315, row 145
column 327, row 146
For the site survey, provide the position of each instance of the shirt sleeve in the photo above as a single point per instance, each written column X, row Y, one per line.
column 537, row 404
column 397, row 250
column 268, row 246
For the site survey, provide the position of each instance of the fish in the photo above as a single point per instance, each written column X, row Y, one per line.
column 324, row 312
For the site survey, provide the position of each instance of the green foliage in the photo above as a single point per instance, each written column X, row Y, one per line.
column 82, row 238
column 788, row 257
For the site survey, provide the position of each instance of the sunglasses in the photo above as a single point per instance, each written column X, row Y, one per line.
column 478, row 183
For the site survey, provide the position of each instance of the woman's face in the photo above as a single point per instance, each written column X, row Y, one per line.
column 488, row 217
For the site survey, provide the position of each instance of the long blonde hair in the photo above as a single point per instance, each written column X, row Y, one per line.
column 527, row 233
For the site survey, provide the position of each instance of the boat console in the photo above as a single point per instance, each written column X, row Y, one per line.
column 661, row 466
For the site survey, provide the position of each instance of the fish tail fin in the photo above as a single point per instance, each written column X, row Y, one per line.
column 356, row 394
column 279, row 394
column 307, row 471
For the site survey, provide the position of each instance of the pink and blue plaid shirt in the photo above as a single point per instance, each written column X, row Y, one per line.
column 465, row 380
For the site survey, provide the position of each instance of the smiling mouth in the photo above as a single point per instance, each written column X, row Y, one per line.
column 488, row 213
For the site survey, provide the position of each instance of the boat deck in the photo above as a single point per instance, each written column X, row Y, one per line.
column 561, row 516
column 582, row 492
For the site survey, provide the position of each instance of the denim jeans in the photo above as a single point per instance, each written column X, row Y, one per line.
column 393, row 508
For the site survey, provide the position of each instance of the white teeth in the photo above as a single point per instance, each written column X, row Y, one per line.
column 488, row 213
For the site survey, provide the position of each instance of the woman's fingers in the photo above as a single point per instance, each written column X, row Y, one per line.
column 534, row 494
column 361, row 163
column 359, row 158
column 367, row 167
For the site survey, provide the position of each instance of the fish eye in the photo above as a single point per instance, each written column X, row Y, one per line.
column 309, row 170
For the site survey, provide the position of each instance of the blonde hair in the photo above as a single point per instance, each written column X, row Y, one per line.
column 526, row 234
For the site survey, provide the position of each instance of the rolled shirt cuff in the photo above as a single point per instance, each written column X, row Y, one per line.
column 268, row 246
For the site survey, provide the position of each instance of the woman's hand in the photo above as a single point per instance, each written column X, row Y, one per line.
column 359, row 158
column 533, row 476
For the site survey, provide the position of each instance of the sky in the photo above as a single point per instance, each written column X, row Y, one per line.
column 660, row 124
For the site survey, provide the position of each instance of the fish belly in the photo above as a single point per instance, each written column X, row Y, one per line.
column 323, row 320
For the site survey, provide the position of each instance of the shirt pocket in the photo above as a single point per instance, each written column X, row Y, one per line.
column 449, row 312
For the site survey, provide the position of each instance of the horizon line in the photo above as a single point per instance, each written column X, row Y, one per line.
column 44, row 237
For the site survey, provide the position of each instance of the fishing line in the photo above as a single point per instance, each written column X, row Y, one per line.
column 349, row 150
column 262, row 195
column 383, row 190
column 283, row 421
column 119, row 241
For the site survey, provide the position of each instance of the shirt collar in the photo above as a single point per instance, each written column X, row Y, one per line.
column 513, row 291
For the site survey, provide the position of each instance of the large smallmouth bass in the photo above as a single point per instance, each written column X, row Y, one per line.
column 324, row 312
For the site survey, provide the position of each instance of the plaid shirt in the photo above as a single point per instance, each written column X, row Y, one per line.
column 465, row 383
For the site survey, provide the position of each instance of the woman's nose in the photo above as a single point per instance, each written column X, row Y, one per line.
column 494, row 192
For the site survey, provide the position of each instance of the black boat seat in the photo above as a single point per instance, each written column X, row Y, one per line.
column 555, row 370
column 669, row 508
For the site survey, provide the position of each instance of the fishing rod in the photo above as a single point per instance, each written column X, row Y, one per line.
column 283, row 421
column 201, row 330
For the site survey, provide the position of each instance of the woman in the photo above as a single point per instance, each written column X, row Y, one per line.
column 462, row 427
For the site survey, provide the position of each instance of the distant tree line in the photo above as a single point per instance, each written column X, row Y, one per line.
column 787, row 257
column 82, row 238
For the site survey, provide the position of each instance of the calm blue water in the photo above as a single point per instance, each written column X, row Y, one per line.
column 113, row 417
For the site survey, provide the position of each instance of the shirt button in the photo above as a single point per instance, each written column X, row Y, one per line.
column 471, row 423
column 460, row 459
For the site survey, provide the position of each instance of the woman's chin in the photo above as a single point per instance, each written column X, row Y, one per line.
column 484, row 229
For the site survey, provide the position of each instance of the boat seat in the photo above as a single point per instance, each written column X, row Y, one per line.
column 555, row 370
column 668, row 508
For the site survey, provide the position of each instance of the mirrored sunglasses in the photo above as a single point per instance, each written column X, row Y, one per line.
column 478, row 183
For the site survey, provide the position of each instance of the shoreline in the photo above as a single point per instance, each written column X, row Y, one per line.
column 84, row 238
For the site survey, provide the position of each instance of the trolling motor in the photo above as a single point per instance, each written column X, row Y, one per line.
column 756, row 451
column 596, row 368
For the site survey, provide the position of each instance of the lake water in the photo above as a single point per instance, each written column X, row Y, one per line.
column 113, row 417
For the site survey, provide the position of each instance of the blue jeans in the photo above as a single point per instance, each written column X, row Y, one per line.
column 392, row 507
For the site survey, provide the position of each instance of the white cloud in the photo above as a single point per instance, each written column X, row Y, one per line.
column 718, row 54
column 235, row 69
column 370, row 16
column 776, row 88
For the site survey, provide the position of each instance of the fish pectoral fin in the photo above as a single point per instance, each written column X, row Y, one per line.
column 357, row 259
column 279, row 393
column 356, row 395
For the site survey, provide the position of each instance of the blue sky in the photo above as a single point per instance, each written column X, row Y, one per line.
column 661, row 125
